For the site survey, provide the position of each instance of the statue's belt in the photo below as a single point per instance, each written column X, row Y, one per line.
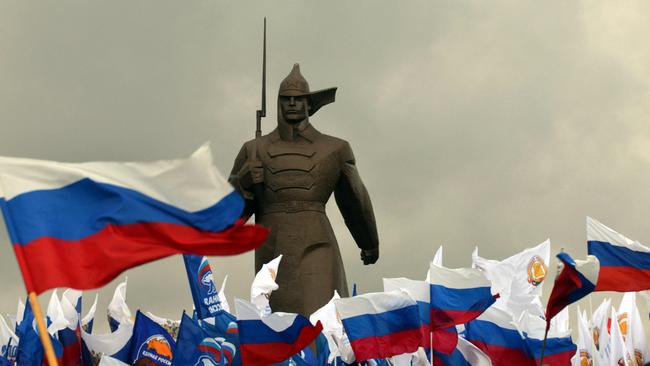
column 293, row 206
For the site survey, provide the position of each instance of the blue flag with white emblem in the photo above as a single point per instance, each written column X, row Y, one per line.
column 195, row 347
column 204, row 290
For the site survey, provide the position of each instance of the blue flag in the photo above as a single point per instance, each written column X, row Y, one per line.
column 195, row 347
column 30, row 350
column 204, row 290
column 226, row 332
column 150, row 342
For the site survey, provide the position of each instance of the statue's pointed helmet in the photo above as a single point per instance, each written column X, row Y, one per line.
column 295, row 85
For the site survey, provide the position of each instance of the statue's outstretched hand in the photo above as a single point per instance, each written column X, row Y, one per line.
column 369, row 256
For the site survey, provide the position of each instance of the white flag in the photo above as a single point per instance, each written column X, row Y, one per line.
column 332, row 326
column 619, row 355
column 264, row 284
column 585, row 344
column 87, row 320
column 437, row 260
column 222, row 295
column 599, row 320
column 118, row 311
column 110, row 361
column 69, row 300
column 472, row 354
column 630, row 323
column 55, row 315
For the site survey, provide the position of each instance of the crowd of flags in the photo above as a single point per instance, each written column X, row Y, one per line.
column 454, row 317
column 79, row 225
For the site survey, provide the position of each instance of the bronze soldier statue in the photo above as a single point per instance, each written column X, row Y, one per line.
column 287, row 177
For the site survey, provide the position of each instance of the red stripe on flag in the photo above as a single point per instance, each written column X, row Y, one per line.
column 264, row 354
column 386, row 346
column 94, row 261
column 504, row 356
column 623, row 279
column 449, row 318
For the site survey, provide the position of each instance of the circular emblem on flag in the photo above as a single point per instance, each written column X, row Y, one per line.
column 154, row 351
column 596, row 335
column 537, row 270
column 585, row 358
column 622, row 324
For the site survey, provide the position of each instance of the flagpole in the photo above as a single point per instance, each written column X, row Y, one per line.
column 42, row 330
column 541, row 358
column 431, row 346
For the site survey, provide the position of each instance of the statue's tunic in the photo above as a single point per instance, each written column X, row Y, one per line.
column 302, row 167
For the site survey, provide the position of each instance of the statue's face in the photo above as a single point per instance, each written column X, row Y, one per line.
column 293, row 108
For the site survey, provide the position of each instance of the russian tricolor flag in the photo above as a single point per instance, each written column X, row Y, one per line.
column 576, row 280
column 624, row 263
column 273, row 338
column 418, row 291
column 79, row 225
column 494, row 333
column 380, row 325
column 557, row 352
column 458, row 295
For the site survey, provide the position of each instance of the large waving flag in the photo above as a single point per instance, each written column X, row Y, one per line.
column 79, row 225
column 576, row 280
column 458, row 295
column 624, row 263
column 204, row 291
column 381, row 325
column 273, row 338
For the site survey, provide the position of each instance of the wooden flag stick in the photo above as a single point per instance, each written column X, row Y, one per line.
column 42, row 330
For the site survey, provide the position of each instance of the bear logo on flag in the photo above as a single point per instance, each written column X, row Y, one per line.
column 205, row 276
column 585, row 358
column 537, row 270
column 154, row 351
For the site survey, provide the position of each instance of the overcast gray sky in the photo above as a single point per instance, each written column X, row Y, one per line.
column 495, row 124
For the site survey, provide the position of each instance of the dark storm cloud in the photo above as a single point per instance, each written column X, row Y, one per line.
column 494, row 124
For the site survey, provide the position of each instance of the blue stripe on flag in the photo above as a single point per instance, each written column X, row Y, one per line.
column 58, row 212
column 616, row 256
column 381, row 324
column 457, row 298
